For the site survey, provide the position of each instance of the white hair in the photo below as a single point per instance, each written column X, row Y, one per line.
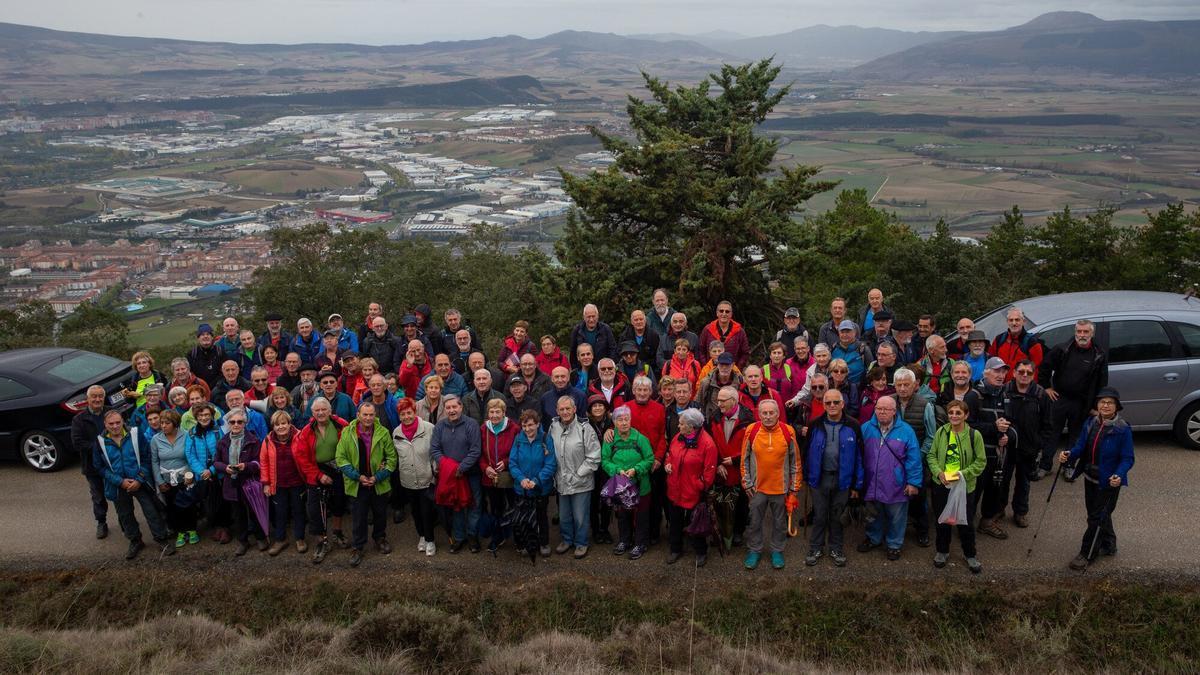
column 642, row 380
column 904, row 374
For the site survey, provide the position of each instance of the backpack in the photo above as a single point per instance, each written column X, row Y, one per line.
column 1028, row 340
column 788, row 433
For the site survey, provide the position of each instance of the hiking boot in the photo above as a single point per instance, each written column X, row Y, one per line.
column 752, row 559
column 839, row 558
column 923, row 540
column 276, row 548
column 398, row 516
column 321, row 552
column 701, row 559
column 893, row 554
column 262, row 544
column 866, row 546
column 813, row 557
column 620, row 548
column 301, row 546
column 430, row 548
column 1080, row 563
column 180, row 540
column 581, row 552
column 456, row 546
column 738, row 540
column 562, row 547
column 222, row 536
column 1039, row 474
column 193, row 537
column 101, row 530
column 356, row 558
column 339, row 539
column 777, row 560
column 992, row 529
column 1021, row 520
column 242, row 547
column 135, row 547
column 637, row 552
column 673, row 557
column 383, row 546
column 974, row 566
column 474, row 544
column 939, row 559
column 165, row 546
column 544, row 550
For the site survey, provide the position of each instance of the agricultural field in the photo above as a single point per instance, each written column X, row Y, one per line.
column 286, row 177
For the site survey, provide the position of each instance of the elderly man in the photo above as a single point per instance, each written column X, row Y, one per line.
column 1017, row 343
column 754, row 390
column 771, row 476
column 908, row 350
column 307, row 342
column 518, row 399
column 536, row 382
column 721, row 376
column 956, row 348
column 727, row 428
column 85, row 427
column 659, row 316
column 867, row 315
column 476, row 361
column 383, row 346
column 833, row 468
column 343, row 405
column 347, row 339
column 1071, row 375
column 385, row 404
column 936, row 364
column 890, row 450
column 611, row 384
column 410, row 332
column 666, row 345
column 374, row 309
column 853, row 351
column 881, row 332
column 182, row 376
column 924, row 418
column 457, row 437
column 231, row 378
column 994, row 423
column 453, row 383
column 1029, row 409
column 724, row 329
column 926, row 326
column 792, row 330
column 205, row 358
column 642, row 336
column 475, row 404
column 885, row 358
column 459, row 350
column 275, row 335
column 828, row 333
column 236, row 399
column 290, row 378
column 230, row 341
column 446, row 340
column 260, row 384
column 414, row 368
column 560, row 385
column 594, row 332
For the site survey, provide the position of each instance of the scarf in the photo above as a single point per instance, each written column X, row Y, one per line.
column 690, row 441
column 498, row 428
column 235, row 447
column 409, row 430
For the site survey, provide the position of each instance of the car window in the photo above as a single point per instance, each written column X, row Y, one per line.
column 1191, row 337
column 1054, row 337
column 1130, row 341
column 83, row 367
column 10, row 389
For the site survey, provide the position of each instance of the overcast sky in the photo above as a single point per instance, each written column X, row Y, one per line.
column 410, row 21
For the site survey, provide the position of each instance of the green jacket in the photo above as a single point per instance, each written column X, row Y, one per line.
column 382, row 458
column 974, row 456
column 630, row 453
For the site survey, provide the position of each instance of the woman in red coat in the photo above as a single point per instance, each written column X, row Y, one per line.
column 691, row 467
column 497, row 434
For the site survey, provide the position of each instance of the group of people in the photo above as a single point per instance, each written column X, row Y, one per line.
column 272, row 436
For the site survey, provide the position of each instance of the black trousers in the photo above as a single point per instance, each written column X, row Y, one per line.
column 372, row 505
column 244, row 522
column 95, row 483
column 150, row 511
column 497, row 501
column 424, row 510
column 180, row 517
column 918, row 504
column 601, row 512
column 217, row 511
column 287, row 503
column 633, row 526
column 679, row 519
column 658, row 502
column 1100, row 501
column 1068, row 411
column 992, row 496
column 966, row 533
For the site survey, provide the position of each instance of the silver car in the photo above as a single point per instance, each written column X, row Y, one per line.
column 1153, row 345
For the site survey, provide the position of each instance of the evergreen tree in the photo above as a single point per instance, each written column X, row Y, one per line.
column 1165, row 253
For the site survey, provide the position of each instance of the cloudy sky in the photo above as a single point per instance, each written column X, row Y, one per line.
column 409, row 21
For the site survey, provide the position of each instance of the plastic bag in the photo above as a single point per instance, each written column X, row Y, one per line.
column 955, row 512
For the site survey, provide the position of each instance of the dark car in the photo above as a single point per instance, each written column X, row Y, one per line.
column 41, row 390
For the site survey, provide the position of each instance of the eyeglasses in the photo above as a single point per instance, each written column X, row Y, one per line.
column 829, row 403
column 819, row 387
column 606, row 368
column 237, row 421
column 839, row 370
column 259, row 381
column 724, row 311
column 1024, row 372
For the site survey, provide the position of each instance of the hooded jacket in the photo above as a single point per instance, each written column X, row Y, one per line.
column 736, row 341
column 850, row 453
column 891, row 462
column 1112, row 452
column 533, row 460
column 577, row 454
column 623, row 454
column 692, row 469
column 415, row 466
column 130, row 459
column 381, row 458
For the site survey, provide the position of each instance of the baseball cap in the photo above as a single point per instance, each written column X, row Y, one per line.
column 847, row 324
column 204, row 328
column 348, row 354
column 791, row 311
column 516, row 379
column 996, row 363
column 407, row 319
column 725, row 359
column 332, row 333
column 333, row 316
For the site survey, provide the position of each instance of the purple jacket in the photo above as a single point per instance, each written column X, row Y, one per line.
column 249, row 455
column 890, row 463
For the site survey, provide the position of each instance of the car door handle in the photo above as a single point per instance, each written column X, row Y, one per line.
column 1171, row 377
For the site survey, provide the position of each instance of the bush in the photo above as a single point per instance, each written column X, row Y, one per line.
column 431, row 635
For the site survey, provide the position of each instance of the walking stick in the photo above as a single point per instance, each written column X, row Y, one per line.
column 1045, row 510
column 1100, row 525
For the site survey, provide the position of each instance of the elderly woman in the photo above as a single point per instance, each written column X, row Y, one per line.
column 197, row 399
column 201, row 448
column 283, row 482
column 820, row 365
column 416, row 472
column 175, row 479
column 839, row 378
column 125, row 465
column 691, row 466
column 178, row 399
column 152, row 397
column 533, row 467
column 1103, row 455
column 236, row 461
column 629, row 453
column 143, row 375
column 497, row 434
column 432, row 408
column 279, row 400
column 577, row 454
column 960, row 388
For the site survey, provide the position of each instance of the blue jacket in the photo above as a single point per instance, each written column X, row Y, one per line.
column 308, row 351
column 228, row 347
column 130, row 460
column 460, row 441
column 850, row 454
column 343, row 406
column 347, row 340
column 856, row 356
column 1114, row 455
column 201, row 449
column 533, row 460
column 890, row 463
column 255, row 422
column 455, row 384
column 384, row 412
column 549, row 404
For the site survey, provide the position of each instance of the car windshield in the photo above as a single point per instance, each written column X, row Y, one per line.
column 83, row 367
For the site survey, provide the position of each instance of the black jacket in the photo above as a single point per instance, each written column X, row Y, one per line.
column 991, row 408
column 85, row 427
column 648, row 350
column 388, row 351
column 1030, row 415
column 606, row 342
column 206, row 363
column 1074, row 372
column 443, row 341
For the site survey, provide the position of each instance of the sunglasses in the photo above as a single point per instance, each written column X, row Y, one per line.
column 1025, row 372
column 819, row 387
column 829, row 403
column 237, row 421
column 259, row 381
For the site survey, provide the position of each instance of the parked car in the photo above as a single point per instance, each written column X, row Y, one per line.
column 1153, row 345
column 41, row 390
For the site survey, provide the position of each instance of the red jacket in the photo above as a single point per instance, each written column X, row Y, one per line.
column 452, row 491
column 268, row 460
column 733, row 446
column 621, row 392
column 409, row 377
column 688, row 370
column 746, row 401
column 650, row 419
column 494, row 448
column 692, row 470
column 304, row 448
column 547, row 364
column 1024, row 347
column 736, row 342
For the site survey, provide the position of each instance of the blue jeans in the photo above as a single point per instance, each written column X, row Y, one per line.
column 889, row 523
column 573, row 513
column 465, row 523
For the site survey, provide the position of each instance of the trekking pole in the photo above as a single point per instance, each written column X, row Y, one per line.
column 1045, row 510
column 1105, row 517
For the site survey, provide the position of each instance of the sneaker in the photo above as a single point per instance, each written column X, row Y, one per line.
column 752, row 559
column 1021, row 520
column 893, row 554
column 839, row 558
column 421, row 545
column 276, row 548
column 562, row 547
column 814, row 556
column 544, row 551
column 1079, row 564
column 637, row 552
column 180, row 540
column 321, row 552
column 193, row 537
column 581, row 552
column 728, row 543
column 430, row 548
column 383, row 546
column 866, row 546
column 673, row 557
column 301, row 546
column 939, row 559
column 242, row 547
column 974, row 566
column 339, row 539
column 135, row 547
column 923, row 540
column 620, row 548
column 101, row 530
column 701, row 559
column 356, row 558
column 777, row 560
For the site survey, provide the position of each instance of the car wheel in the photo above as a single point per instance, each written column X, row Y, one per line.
column 1187, row 427
column 42, row 451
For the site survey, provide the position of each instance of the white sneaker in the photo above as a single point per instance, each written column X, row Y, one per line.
column 430, row 548
column 421, row 544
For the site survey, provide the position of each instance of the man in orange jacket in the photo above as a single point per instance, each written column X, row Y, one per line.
column 771, row 477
